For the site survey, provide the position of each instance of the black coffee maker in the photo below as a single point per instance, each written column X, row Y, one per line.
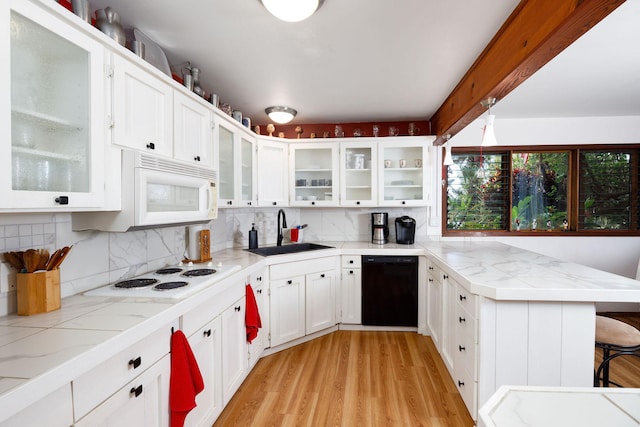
column 379, row 228
column 405, row 230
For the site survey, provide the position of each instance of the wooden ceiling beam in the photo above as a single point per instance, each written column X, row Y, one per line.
column 534, row 33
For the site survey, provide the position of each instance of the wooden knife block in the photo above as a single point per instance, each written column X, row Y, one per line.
column 38, row 292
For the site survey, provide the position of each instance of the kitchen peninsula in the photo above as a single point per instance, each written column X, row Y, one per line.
column 529, row 319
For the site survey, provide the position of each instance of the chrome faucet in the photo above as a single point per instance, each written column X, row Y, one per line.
column 284, row 225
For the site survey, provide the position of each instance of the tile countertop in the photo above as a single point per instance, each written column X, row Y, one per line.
column 39, row 354
column 527, row 406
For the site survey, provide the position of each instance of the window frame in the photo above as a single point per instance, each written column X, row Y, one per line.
column 573, row 190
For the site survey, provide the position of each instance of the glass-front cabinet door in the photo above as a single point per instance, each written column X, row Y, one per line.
column 402, row 176
column 235, row 146
column 226, row 167
column 315, row 174
column 358, row 178
column 54, row 116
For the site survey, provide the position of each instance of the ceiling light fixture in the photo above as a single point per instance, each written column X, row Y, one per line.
column 448, row 160
column 281, row 114
column 292, row 10
column 488, row 132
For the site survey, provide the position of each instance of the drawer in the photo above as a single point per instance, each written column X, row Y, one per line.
column 468, row 300
column 211, row 308
column 105, row 379
column 468, row 389
column 291, row 269
column 466, row 324
column 351, row 261
column 465, row 357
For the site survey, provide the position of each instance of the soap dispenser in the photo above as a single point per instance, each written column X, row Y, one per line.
column 253, row 237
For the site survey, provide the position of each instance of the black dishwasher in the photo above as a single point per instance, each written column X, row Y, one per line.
column 390, row 290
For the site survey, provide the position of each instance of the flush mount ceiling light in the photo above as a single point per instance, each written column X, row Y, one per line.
column 448, row 160
column 281, row 115
column 488, row 133
column 292, row 10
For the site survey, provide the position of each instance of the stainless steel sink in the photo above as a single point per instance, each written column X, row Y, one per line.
column 288, row 249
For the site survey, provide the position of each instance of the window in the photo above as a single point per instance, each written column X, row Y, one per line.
column 586, row 190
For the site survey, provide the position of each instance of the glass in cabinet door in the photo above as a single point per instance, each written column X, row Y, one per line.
column 226, row 156
column 402, row 175
column 358, row 184
column 313, row 175
column 56, row 105
column 246, row 169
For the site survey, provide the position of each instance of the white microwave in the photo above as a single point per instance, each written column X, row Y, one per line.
column 157, row 191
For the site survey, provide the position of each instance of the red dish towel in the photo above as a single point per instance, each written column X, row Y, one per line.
column 251, row 316
column 185, row 381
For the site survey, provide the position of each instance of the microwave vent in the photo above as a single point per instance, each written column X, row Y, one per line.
column 168, row 165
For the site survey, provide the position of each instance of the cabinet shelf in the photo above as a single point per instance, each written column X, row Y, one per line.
column 401, row 169
column 358, row 170
column 319, row 187
column 45, row 154
column 403, row 186
column 313, row 170
column 358, row 187
column 44, row 119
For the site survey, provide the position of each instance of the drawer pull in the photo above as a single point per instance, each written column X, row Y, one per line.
column 350, row 261
column 462, row 297
column 259, row 291
column 237, row 308
column 136, row 391
column 322, row 275
column 461, row 319
column 460, row 383
column 445, row 276
column 289, row 282
column 430, row 267
column 207, row 333
column 259, row 278
column 430, row 279
column 461, row 348
column 350, row 271
column 151, row 146
column 135, row 362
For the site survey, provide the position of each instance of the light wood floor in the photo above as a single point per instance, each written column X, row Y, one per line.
column 350, row 378
column 624, row 370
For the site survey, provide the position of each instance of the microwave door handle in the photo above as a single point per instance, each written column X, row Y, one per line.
column 211, row 195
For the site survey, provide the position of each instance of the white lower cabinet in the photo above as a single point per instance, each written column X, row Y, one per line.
column 113, row 373
column 302, row 298
column 351, row 290
column 260, row 285
column 448, row 345
column 206, row 345
column 54, row 410
column 142, row 402
column 287, row 303
column 434, row 303
column 234, row 349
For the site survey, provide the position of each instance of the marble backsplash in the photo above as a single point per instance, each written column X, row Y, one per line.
column 99, row 258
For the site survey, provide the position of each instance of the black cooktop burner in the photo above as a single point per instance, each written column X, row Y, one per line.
column 170, row 270
column 135, row 283
column 199, row 272
column 169, row 285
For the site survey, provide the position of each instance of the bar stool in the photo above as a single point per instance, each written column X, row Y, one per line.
column 616, row 339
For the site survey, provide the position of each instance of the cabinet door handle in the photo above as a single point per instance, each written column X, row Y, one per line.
column 238, row 308
column 462, row 297
column 230, row 202
column 151, row 146
column 62, row 200
column 350, row 271
column 249, row 203
column 461, row 348
column 136, row 391
column 461, row 319
column 358, row 202
column 430, row 268
column 135, row 363
column 350, row 261
column 445, row 277
column 259, row 291
column 289, row 282
column 460, row 383
column 430, row 279
column 322, row 275
column 259, row 278
column 207, row 333
column 274, row 203
column 313, row 203
column 404, row 203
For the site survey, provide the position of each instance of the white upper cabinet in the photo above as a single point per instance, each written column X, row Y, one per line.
column 192, row 130
column 52, row 112
column 314, row 174
column 358, row 173
column 236, row 149
column 142, row 116
column 402, row 177
column 273, row 184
